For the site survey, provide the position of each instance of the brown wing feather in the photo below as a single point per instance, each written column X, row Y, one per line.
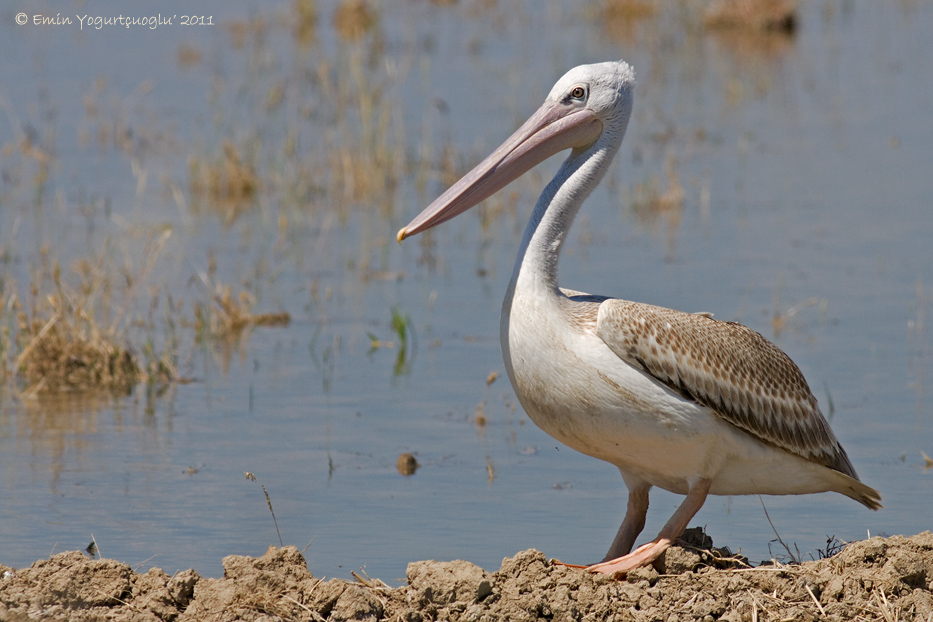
column 737, row 373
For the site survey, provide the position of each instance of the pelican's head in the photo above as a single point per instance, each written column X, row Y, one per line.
column 589, row 103
column 603, row 90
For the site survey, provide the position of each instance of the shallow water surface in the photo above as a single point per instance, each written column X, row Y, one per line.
column 778, row 181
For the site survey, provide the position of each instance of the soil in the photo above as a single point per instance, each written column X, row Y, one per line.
column 876, row 579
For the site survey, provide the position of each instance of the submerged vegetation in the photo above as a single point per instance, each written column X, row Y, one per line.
column 319, row 141
column 288, row 156
column 64, row 334
column 404, row 344
column 300, row 140
column 59, row 337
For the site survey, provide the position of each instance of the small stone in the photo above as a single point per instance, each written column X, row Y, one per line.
column 407, row 465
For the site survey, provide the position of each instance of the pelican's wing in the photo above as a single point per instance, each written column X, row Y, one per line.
column 731, row 369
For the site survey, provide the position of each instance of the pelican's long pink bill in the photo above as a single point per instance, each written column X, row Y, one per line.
column 553, row 128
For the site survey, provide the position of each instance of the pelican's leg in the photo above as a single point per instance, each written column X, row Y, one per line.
column 674, row 528
column 633, row 522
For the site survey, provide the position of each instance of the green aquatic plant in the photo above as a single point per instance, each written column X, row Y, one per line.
column 404, row 341
column 403, row 327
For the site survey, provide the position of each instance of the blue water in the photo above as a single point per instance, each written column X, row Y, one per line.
column 805, row 170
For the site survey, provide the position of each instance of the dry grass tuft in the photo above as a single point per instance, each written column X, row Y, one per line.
column 246, row 32
column 304, row 15
column 56, row 345
column 68, row 335
column 621, row 20
column 188, row 56
column 227, row 317
column 65, row 354
column 228, row 183
column 353, row 18
column 62, row 349
column 760, row 15
column 629, row 9
column 34, row 154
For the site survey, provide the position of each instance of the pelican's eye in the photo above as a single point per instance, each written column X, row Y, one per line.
column 578, row 92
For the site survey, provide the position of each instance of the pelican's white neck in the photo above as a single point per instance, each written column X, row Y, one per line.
column 556, row 208
column 534, row 279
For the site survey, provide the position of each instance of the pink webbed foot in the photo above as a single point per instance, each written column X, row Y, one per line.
column 642, row 556
column 557, row 562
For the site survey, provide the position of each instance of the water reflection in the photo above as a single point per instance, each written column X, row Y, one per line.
column 71, row 433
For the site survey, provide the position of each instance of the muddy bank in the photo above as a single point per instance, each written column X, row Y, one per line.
column 875, row 579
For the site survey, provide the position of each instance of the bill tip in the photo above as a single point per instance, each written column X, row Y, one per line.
column 402, row 234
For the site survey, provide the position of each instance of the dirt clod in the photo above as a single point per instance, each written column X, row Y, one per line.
column 446, row 583
column 876, row 579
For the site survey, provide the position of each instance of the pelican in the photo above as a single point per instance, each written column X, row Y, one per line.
column 676, row 400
